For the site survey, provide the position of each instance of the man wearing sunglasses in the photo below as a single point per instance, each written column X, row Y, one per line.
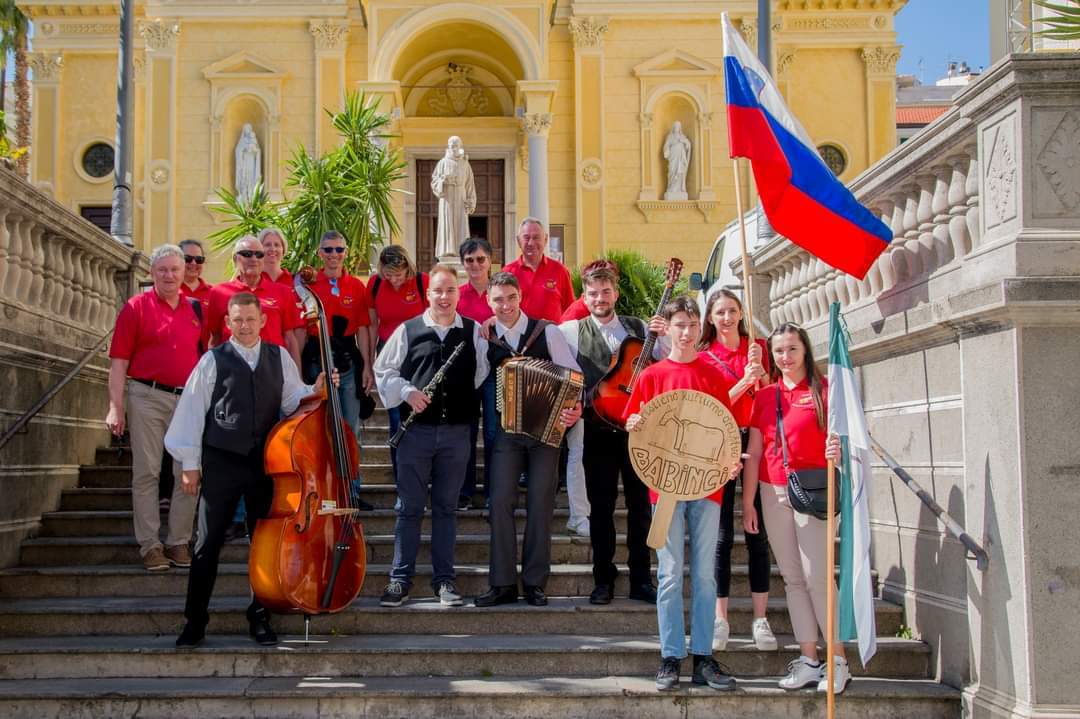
column 194, row 286
column 277, row 301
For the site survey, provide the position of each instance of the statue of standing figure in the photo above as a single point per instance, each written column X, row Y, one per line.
column 677, row 154
column 452, row 183
column 248, row 164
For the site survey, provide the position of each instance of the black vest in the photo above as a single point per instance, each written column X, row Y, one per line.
column 454, row 400
column 245, row 404
column 498, row 353
column 593, row 354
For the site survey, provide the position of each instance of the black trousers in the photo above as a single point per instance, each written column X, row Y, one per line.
column 757, row 545
column 226, row 478
column 606, row 458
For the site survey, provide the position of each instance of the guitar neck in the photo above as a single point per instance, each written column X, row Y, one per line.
column 650, row 338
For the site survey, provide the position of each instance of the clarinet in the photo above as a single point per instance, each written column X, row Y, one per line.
column 428, row 391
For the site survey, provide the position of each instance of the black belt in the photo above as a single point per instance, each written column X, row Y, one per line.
column 158, row 385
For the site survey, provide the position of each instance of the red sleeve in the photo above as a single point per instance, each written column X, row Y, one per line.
column 763, row 400
column 291, row 317
column 215, row 314
column 123, row 339
column 640, row 395
column 362, row 319
column 566, row 290
column 371, row 290
column 576, row 311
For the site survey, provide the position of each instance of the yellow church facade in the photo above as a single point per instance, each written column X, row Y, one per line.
column 563, row 107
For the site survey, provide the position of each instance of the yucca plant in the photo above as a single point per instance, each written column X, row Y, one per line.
column 1064, row 24
column 245, row 218
column 641, row 283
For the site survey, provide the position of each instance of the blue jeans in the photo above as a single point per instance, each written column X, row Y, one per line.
column 350, row 408
column 491, row 427
column 435, row 455
column 703, row 518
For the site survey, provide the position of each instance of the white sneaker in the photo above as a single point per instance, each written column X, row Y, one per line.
column 841, row 676
column 764, row 639
column 721, row 632
column 802, row 672
column 579, row 527
column 448, row 595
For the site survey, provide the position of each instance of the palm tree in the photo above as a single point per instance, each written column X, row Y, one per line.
column 14, row 30
column 1064, row 24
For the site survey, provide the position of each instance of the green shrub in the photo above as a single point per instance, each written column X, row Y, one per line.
column 641, row 283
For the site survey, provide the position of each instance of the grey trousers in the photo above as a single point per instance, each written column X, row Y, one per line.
column 513, row 455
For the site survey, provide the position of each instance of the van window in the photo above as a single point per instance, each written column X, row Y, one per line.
column 713, row 267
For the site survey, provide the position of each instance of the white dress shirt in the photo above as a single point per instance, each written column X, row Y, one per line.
column 613, row 333
column 184, row 439
column 557, row 345
column 393, row 388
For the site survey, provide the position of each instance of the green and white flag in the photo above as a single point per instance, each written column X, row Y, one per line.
column 855, row 597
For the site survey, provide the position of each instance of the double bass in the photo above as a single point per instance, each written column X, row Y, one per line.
column 308, row 554
column 612, row 393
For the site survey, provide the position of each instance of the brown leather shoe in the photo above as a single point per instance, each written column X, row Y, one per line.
column 155, row 560
column 179, row 555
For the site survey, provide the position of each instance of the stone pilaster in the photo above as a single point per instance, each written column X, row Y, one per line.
column 159, row 148
column 588, row 35
column 330, row 38
column 45, row 157
column 880, row 62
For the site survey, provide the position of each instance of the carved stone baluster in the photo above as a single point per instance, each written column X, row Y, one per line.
column 77, row 278
column 37, row 266
column 775, row 309
column 834, row 286
column 971, row 189
column 881, row 275
column 939, row 205
column 88, row 288
column 925, row 215
column 13, row 274
column 93, row 317
column 67, row 274
column 5, row 247
column 102, row 315
column 53, row 287
column 821, row 287
column 26, row 259
column 957, row 206
column 905, row 263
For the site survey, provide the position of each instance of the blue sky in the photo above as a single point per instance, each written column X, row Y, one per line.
column 935, row 32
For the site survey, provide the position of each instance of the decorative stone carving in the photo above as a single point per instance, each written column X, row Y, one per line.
column 458, row 94
column 452, row 183
column 1000, row 178
column 783, row 61
column 248, row 164
column 880, row 60
column 677, row 154
column 159, row 35
column 705, row 120
column 588, row 32
column 646, row 120
column 1059, row 160
column 536, row 123
column 748, row 28
column 827, row 23
column 591, row 174
column 329, row 34
column 138, row 64
column 46, row 66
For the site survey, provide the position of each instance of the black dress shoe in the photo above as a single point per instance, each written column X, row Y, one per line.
column 259, row 627
column 191, row 637
column 535, row 596
column 236, row 530
column 362, row 505
column 643, row 593
column 497, row 595
column 602, row 594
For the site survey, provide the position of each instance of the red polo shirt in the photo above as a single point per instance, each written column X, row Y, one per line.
column 350, row 301
column 805, row 440
column 576, row 311
column 161, row 343
column 472, row 304
column 546, row 291
column 278, row 303
column 285, row 278
column 200, row 293
column 732, row 365
column 668, row 375
column 392, row 307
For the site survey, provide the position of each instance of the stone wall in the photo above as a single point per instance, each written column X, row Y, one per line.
column 61, row 283
column 963, row 334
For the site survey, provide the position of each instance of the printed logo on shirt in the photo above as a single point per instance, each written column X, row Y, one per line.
column 346, row 300
column 269, row 302
column 550, row 285
column 411, row 297
column 802, row 400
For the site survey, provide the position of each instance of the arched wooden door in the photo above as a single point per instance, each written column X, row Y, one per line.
column 487, row 221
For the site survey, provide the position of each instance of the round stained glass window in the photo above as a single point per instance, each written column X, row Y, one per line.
column 98, row 159
column 833, row 157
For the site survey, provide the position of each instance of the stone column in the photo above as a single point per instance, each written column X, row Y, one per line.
column 331, row 39
column 588, row 34
column 537, row 125
column 880, row 64
column 159, row 150
column 45, row 158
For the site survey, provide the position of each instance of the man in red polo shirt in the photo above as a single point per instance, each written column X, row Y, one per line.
column 154, row 348
column 277, row 301
column 546, row 290
column 194, row 286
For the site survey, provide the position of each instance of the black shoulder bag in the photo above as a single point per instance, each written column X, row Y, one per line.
column 807, row 489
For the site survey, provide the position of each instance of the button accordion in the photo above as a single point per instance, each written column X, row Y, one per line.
column 530, row 393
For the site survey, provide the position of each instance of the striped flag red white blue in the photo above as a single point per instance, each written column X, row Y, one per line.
column 802, row 198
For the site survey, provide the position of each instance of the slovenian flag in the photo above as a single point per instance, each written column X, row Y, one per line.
column 802, row 198
column 855, row 597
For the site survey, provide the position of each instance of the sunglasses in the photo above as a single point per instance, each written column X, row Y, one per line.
column 476, row 260
column 197, row 259
column 258, row 254
column 332, row 250
column 334, row 289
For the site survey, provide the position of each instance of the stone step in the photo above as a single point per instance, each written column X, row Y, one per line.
column 379, row 521
column 565, row 580
column 407, row 655
column 125, row 614
column 119, row 476
column 470, row 549
column 478, row 698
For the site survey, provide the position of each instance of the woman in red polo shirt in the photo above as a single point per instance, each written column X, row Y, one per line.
column 798, row 540
column 475, row 255
column 725, row 345
column 396, row 293
column 273, row 241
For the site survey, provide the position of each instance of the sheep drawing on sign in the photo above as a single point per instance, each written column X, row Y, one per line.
column 691, row 435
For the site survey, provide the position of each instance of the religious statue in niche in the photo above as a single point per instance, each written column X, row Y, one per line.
column 677, row 154
column 452, row 183
column 248, row 164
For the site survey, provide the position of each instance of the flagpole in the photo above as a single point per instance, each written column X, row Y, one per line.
column 830, row 595
column 747, row 294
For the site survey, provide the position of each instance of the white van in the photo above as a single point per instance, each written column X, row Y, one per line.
column 726, row 253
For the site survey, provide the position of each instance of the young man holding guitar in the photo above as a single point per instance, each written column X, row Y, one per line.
column 596, row 341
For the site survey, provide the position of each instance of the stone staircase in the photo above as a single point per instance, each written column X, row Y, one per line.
column 86, row 632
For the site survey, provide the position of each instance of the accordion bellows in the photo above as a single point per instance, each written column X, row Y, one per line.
column 530, row 393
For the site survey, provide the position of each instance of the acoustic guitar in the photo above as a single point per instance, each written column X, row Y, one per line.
column 611, row 394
